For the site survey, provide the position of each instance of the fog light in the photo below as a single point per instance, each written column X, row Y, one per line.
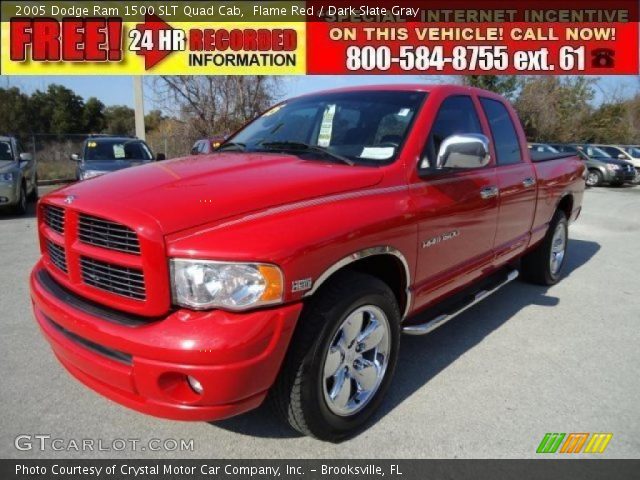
column 195, row 384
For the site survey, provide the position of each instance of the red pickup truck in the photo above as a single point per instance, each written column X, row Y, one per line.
column 287, row 264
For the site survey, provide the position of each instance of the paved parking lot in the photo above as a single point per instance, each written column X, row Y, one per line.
column 490, row 384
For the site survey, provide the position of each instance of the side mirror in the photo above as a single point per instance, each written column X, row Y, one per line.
column 75, row 157
column 26, row 157
column 160, row 156
column 622, row 157
column 470, row 150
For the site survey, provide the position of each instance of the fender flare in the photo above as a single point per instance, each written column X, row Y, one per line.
column 359, row 255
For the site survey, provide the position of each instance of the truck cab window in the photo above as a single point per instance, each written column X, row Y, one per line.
column 503, row 131
column 456, row 115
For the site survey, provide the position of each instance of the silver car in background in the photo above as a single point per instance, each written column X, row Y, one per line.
column 18, row 177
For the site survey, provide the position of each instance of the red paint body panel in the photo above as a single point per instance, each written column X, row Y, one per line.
column 303, row 216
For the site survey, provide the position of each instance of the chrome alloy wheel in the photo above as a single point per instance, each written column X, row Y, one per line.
column 592, row 179
column 558, row 248
column 357, row 360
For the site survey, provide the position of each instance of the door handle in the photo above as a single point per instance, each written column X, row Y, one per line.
column 529, row 182
column 489, row 192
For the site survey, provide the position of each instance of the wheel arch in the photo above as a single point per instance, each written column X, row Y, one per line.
column 384, row 262
column 566, row 205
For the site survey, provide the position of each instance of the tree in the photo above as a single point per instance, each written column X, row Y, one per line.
column 15, row 118
column 555, row 109
column 120, row 120
column 506, row 85
column 217, row 104
column 93, row 116
column 153, row 119
column 58, row 110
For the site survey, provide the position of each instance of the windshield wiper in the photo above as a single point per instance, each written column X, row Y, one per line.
column 304, row 147
column 237, row 146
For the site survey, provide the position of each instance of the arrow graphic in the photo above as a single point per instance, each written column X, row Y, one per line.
column 154, row 55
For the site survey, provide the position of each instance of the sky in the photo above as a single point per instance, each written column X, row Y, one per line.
column 118, row 90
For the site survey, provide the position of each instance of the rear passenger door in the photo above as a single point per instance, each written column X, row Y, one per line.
column 516, row 179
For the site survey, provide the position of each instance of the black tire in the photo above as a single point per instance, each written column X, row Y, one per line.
column 594, row 178
column 20, row 208
column 536, row 265
column 298, row 394
column 33, row 196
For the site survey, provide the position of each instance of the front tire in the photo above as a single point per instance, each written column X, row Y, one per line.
column 33, row 196
column 543, row 265
column 341, row 359
column 594, row 178
column 21, row 207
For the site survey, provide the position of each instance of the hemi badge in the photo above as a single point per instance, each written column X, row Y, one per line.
column 301, row 285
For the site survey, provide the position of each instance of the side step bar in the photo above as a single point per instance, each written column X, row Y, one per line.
column 431, row 325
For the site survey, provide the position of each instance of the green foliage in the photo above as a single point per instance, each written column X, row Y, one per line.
column 120, row 120
column 505, row 85
column 93, row 116
column 15, row 111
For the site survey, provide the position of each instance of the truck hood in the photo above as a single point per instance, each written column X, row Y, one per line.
column 192, row 191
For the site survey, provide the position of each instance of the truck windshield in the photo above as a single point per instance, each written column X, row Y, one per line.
column 100, row 150
column 366, row 127
column 5, row 151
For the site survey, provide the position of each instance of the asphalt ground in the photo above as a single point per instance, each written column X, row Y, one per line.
column 490, row 384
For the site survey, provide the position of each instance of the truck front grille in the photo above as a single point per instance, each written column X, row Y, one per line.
column 110, row 235
column 124, row 281
column 54, row 218
column 57, row 255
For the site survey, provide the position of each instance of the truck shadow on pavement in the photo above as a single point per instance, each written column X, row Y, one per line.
column 422, row 358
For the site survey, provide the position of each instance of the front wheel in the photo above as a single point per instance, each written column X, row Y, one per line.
column 33, row 196
column 543, row 265
column 341, row 359
column 594, row 178
column 21, row 206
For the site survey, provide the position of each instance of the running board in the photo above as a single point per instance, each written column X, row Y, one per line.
column 431, row 325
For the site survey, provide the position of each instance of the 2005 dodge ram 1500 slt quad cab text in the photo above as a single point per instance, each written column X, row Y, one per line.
column 285, row 265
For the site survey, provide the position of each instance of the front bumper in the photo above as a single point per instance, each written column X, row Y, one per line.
column 621, row 176
column 8, row 194
column 144, row 364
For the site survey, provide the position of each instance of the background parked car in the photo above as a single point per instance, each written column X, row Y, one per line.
column 104, row 154
column 602, row 168
column 207, row 145
column 18, row 177
column 543, row 148
column 633, row 156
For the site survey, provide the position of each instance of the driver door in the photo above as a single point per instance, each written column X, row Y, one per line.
column 457, row 209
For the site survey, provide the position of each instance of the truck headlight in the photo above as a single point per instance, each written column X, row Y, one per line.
column 613, row 166
column 6, row 177
column 87, row 174
column 204, row 284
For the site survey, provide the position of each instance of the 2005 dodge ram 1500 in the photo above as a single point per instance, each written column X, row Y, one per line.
column 287, row 264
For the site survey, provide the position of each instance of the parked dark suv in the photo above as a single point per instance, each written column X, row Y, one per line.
column 104, row 154
column 602, row 168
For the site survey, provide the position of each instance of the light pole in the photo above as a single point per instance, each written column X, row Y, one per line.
column 138, row 100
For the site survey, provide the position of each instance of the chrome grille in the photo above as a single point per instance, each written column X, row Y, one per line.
column 110, row 235
column 57, row 255
column 54, row 218
column 123, row 281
